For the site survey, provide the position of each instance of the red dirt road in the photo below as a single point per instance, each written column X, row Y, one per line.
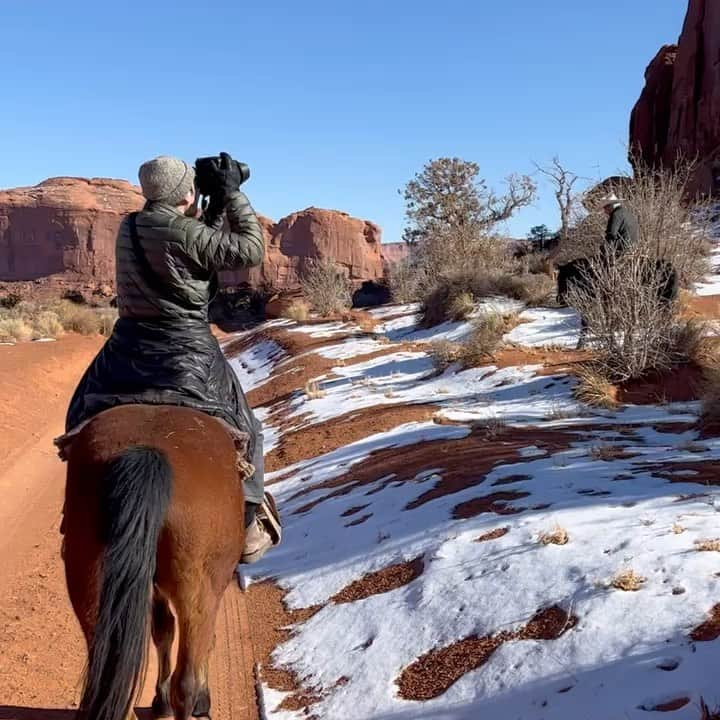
column 41, row 649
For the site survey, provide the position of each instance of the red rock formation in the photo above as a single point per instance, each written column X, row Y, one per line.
column 62, row 232
column 353, row 244
column 650, row 119
column 63, row 225
column 679, row 110
column 394, row 252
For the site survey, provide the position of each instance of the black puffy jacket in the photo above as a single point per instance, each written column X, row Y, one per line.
column 161, row 351
column 183, row 254
column 623, row 231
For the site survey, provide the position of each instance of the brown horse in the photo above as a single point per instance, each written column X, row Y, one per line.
column 153, row 524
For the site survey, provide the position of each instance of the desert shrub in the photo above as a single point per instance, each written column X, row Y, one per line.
column 532, row 289
column 593, row 388
column 480, row 345
column 484, row 339
column 25, row 309
column 298, row 310
column 633, row 330
column 14, row 330
column 47, row 325
column 407, row 281
column 10, row 300
column 78, row 318
column 452, row 288
column 326, row 287
column 444, row 353
column 461, row 306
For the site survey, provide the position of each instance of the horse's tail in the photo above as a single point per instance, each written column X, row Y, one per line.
column 135, row 494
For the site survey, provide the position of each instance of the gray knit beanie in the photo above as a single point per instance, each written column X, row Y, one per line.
column 166, row 179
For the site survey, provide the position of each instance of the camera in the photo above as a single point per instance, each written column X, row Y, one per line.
column 207, row 170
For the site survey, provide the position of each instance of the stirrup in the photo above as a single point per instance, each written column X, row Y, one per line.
column 268, row 516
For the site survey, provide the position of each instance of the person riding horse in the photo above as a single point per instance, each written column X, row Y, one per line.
column 162, row 351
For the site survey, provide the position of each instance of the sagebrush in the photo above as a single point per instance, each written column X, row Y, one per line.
column 326, row 287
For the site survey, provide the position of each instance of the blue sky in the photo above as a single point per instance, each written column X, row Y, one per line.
column 333, row 104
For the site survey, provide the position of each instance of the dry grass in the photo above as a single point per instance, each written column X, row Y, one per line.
column 484, row 340
column 326, row 287
column 492, row 427
column 313, row 390
column 677, row 529
column 708, row 545
column 298, row 310
column 83, row 319
column 557, row 412
column 14, row 330
column 557, row 536
column 628, row 581
column 593, row 387
column 479, row 347
column 444, row 353
column 28, row 320
column 607, row 452
column 47, row 325
column 532, row 289
column 461, row 307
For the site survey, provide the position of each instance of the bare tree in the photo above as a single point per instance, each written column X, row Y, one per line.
column 563, row 182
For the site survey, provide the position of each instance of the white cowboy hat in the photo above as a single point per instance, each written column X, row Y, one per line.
column 610, row 199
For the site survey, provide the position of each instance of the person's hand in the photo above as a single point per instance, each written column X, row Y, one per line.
column 229, row 175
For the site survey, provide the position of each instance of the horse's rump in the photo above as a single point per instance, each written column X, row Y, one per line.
column 153, row 492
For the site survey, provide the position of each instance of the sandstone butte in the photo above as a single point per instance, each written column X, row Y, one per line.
column 678, row 113
column 64, row 229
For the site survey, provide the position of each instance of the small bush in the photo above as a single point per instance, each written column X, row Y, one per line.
column 313, row 390
column 452, row 290
column 326, row 287
column 632, row 329
column 444, row 353
column 533, row 290
column 484, row 339
column 10, row 300
column 461, row 307
column 407, row 281
column 708, row 545
column 14, row 330
column 47, row 325
column 593, row 387
column 78, row 318
column 557, row 536
column 25, row 309
column 480, row 346
column 298, row 310
column 607, row 452
column 628, row 581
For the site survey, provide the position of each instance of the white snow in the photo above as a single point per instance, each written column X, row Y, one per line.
column 620, row 509
column 547, row 327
